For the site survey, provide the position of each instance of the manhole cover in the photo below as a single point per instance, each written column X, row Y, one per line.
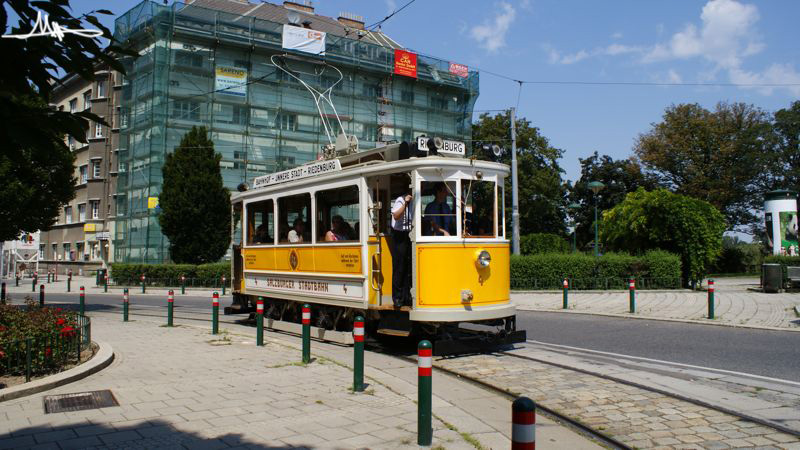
column 79, row 401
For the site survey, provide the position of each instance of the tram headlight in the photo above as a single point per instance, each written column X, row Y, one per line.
column 484, row 258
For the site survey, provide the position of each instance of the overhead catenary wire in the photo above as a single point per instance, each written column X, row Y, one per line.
column 380, row 22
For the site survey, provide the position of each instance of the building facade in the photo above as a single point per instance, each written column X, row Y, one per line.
column 81, row 239
column 225, row 65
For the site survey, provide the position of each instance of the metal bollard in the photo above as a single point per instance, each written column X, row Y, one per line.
column 711, row 299
column 82, row 307
column 48, row 277
column 33, row 283
column 143, row 277
column 170, row 301
column 260, row 322
column 306, row 333
column 565, row 303
column 105, row 285
column 3, row 292
column 358, row 356
column 183, row 285
column 69, row 283
column 28, row 345
column 215, row 313
column 16, row 280
column 41, row 295
column 424, row 393
column 632, row 288
column 125, row 305
column 223, row 285
column 523, row 418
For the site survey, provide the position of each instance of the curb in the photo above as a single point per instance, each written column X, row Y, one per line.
column 661, row 319
column 104, row 357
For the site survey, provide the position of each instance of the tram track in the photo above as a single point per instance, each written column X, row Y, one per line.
column 553, row 414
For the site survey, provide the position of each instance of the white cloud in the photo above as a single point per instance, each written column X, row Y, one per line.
column 491, row 34
column 554, row 57
column 575, row 57
column 673, row 76
column 526, row 5
column 774, row 74
column 617, row 35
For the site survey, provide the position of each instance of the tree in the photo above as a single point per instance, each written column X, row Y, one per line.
column 36, row 164
column 619, row 177
column 541, row 191
column 787, row 158
column 195, row 205
column 676, row 223
column 720, row 156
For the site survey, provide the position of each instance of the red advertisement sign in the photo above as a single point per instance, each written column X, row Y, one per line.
column 459, row 69
column 405, row 63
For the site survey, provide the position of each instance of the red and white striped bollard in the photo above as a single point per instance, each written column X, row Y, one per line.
column 523, row 429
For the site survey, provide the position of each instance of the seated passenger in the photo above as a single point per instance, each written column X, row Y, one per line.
column 437, row 219
column 296, row 233
column 340, row 230
column 261, row 235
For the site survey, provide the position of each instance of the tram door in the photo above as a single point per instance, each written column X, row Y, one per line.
column 379, row 241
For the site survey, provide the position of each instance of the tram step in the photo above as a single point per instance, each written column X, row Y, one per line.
column 391, row 332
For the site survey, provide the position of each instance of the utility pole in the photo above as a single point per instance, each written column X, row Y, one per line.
column 514, row 196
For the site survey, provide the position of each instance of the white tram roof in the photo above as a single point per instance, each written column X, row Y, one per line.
column 366, row 163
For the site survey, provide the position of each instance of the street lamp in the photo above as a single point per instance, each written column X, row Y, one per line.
column 596, row 187
column 574, row 207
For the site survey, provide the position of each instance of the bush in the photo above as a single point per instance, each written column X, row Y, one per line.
column 655, row 269
column 741, row 258
column 537, row 243
column 208, row 275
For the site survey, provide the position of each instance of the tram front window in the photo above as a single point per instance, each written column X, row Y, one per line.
column 439, row 208
column 478, row 219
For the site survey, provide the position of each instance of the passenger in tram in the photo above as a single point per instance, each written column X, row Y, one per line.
column 402, row 214
column 340, row 230
column 262, row 235
column 438, row 220
column 296, row 233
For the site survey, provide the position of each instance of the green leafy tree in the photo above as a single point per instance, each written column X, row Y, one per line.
column 195, row 205
column 36, row 165
column 659, row 219
column 619, row 177
column 719, row 156
column 541, row 190
column 787, row 158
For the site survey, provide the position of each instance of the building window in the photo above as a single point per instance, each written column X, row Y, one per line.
column 327, row 82
column 184, row 110
column 82, row 212
column 79, row 256
column 283, row 76
column 94, row 254
column 41, row 251
column 55, row 251
column 95, row 209
column 98, row 130
column 188, row 59
column 370, row 90
column 87, row 99
column 67, row 256
column 96, row 169
column 407, row 96
column 287, row 122
column 84, row 171
column 440, row 103
column 101, row 89
column 68, row 214
column 73, row 105
column 240, row 115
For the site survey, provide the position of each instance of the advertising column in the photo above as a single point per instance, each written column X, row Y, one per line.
column 780, row 220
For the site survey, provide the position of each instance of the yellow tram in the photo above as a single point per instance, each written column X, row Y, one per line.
column 321, row 234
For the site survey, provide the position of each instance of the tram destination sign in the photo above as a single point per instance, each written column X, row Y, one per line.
column 304, row 171
column 455, row 148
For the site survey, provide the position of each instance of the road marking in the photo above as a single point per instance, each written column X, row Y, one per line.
column 690, row 366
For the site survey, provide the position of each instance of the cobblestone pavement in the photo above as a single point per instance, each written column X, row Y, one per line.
column 636, row 417
column 734, row 304
column 184, row 388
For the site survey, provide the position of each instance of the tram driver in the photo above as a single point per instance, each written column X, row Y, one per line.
column 402, row 214
column 438, row 218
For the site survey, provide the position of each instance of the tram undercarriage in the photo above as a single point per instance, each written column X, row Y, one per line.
column 335, row 323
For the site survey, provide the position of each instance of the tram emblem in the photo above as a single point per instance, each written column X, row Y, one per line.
column 293, row 260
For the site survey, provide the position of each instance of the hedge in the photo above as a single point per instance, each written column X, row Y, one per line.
column 654, row 270
column 208, row 275
column 537, row 243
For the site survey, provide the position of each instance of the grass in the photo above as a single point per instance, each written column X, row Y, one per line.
column 464, row 435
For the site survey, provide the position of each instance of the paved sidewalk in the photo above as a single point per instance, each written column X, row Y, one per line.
column 185, row 388
column 734, row 305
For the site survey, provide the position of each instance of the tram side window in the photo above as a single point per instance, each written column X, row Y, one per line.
column 260, row 223
column 338, row 215
column 479, row 200
column 501, row 211
column 438, row 208
column 294, row 213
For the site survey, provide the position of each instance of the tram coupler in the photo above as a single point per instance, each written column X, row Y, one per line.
column 455, row 340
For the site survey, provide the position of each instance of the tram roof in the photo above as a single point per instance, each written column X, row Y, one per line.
column 351, row 165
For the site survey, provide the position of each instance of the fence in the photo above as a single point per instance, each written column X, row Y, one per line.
column 594, row 283
column 167, row 282
column 46, row 354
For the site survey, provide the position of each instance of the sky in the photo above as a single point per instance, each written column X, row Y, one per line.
column 631, row 41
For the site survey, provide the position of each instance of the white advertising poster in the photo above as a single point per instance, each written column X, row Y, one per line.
column 303, row 40
column 231, row 81
column 324, row 287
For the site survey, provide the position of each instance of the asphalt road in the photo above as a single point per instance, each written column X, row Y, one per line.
column 773, row 354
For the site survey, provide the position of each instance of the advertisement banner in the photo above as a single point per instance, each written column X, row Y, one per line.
column 231, row 81
column 303, row 40
column 152, row 202
column 405, row 63
column 459, row 69
column 788, row 227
